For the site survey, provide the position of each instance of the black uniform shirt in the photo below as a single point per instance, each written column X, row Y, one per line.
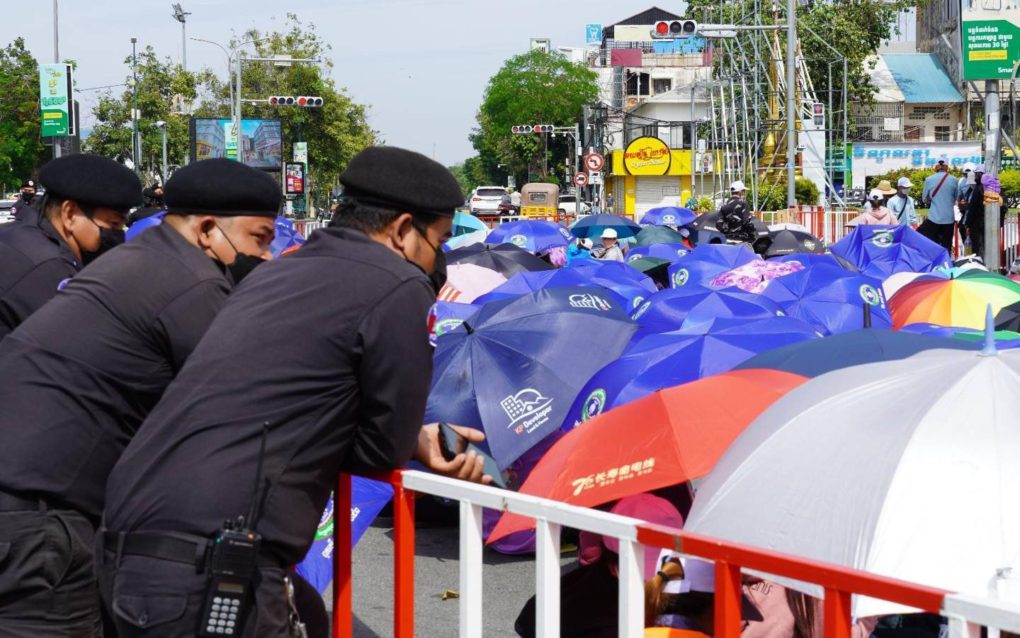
column 34, row 259
column 80, row 375
column 329, row 346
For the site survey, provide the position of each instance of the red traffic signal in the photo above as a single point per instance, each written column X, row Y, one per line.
column 543, row 128
column 521, row 129
column 309, row 101
column 281, row 100
column 675, row 29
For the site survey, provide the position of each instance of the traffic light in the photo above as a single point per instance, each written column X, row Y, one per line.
column 818, row 111
column 281, row 100
column 309, row 101
column 672, row 29
column 522, row 129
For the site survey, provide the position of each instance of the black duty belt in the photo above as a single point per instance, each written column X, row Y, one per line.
column 179, row 548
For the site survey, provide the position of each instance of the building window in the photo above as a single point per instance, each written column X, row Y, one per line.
column 913, row 133
column 662, row 85
column 941, row 133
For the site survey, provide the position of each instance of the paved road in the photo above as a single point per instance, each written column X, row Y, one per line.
column 508, row 583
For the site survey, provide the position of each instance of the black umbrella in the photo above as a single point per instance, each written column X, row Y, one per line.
column 789, row 242
column 506, row 259
column 706, row 221
column 1009, row 318
column 657, row 269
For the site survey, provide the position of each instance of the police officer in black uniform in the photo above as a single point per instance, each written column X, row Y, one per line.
column 323, row 358
column 82, row 215
column 80, row 375
column 27, row 197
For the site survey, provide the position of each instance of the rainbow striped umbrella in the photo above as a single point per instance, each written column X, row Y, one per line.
column 960, row 301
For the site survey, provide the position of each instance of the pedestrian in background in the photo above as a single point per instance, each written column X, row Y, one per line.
column 939, row 195
column 902, row 204
column 876, row 214
column 610, row 249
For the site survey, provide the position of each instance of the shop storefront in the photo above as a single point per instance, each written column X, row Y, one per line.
column 648, row 174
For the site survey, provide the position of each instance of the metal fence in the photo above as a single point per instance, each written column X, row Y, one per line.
column 839, row 583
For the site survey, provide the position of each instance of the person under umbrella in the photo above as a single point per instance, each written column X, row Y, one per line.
column 580, row 249
column 610, row 249
column 735, row 216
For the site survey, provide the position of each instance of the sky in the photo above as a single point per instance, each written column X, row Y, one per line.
column 420, row 65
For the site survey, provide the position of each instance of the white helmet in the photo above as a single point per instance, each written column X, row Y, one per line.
column 737, row 187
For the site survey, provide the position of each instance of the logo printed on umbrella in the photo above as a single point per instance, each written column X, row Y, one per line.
column 669, row 220
column 680, row 278
column 634, row 257
column 566, row 233
column 809, row 244
column 528, row 410
column 590, row 302
column 325, row 529
column 637, row 302
column 446, row 326
column 521, row 241
column 883, row 239
column 594, row 405
column 612, row 475
column 642, row 310
column 871, row 296
column 680, row 252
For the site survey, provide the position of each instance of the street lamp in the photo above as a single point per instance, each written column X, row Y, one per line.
column 136, row 149
column 182, row 16
column 162, row 126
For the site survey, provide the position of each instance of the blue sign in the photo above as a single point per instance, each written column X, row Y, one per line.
column 593, row 34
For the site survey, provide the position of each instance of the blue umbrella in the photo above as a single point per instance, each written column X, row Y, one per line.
column 669, row 309
column 815, row 259
column 445, row 316
column 879, row 251
column 593, row 225
column 669, row 216
column 706, row 261
column 533, row 236
column 814, row 358
column 368, row 497
column 625, row 281
column 669, row 252
column 514, row 369
column 142, row 225
column 464, row 223
column 470, row 239
column 527, row 282
column 831, row 299
column 287, row 238
column 672, row 358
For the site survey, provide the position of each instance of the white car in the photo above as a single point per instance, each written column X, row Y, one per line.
column 568, row 205
column 6, row 206
column 485, row 200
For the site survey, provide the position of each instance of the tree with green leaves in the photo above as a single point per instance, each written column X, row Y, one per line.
column 531, row 88
column 162, row 88
column 21, row 148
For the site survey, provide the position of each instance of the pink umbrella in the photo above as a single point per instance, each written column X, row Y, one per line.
column 466, row 282
column 755, row 275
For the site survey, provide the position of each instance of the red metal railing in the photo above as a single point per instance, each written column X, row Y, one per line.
column 839, row 583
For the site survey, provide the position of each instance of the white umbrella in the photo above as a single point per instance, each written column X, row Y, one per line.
column 908, row 469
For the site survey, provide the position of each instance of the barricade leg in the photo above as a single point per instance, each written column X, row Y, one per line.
column 547, row 579
column 343, row 621
column 403, row 561
column 727, row 600
column 632, row 592
column 470, row 569
column 837, row 619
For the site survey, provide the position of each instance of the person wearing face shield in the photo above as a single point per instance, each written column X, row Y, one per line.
column 81, row 374
column 81, row 216
column 319, row 363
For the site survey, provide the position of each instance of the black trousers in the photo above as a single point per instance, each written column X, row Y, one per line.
column 941, row 234
column 47, row 584
column 159, row 598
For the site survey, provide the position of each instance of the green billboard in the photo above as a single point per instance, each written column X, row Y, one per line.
column 55, row 99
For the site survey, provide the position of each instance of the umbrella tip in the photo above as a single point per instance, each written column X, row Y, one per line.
column 989, row 347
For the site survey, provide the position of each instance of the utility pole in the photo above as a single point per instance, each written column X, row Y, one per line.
column 162, row 126
column 136, row 147
column 791, row 102
column 56, row 60
column 992, row 142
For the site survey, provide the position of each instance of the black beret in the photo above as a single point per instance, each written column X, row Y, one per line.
column 28, row 183
column 395, row 178
column 92, row 180
column 222, row 187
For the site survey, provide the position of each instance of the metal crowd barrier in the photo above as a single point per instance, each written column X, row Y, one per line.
column 839, row 583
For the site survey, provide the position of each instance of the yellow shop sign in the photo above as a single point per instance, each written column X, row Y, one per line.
column 647, row 156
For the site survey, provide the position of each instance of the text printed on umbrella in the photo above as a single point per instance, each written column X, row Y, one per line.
column 528, row 410
column 611, row 476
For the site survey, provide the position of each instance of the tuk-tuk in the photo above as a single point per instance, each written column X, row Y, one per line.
column 540, row 200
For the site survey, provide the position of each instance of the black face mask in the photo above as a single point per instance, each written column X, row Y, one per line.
column 108, row 238
column 438, row 275
column 27, row 197
column 243, row 263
